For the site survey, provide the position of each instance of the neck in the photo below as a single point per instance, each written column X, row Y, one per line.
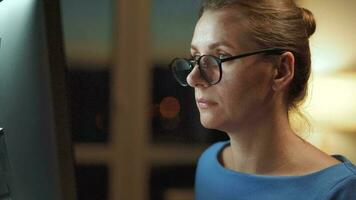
column 263, row 146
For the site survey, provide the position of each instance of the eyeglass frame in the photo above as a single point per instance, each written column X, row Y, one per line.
column 196, row 61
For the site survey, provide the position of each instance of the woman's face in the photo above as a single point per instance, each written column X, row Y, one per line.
column 243, row 94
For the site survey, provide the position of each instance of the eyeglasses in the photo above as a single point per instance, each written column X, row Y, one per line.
column 209, row 65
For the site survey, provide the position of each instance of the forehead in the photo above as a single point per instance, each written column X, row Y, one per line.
column 220, row 27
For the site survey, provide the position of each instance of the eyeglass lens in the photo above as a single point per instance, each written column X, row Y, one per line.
column 208, row 67
column 181, row 68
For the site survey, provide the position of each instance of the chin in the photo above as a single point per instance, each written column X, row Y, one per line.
column 210, row 122
column 207, row 125
column 220, row 122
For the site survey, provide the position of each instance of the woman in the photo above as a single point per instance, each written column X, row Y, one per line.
column 250, row 67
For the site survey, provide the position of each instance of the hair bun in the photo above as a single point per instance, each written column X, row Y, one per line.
column 309, row 21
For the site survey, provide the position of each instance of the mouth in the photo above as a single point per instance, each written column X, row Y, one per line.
column 204, row 103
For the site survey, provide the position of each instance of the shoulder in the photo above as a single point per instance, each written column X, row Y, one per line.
column 210, row 155
column 345, row 188
column 208, row 164
column 214, row 149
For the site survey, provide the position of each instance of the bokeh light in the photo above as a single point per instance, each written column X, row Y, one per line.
column 169, row 107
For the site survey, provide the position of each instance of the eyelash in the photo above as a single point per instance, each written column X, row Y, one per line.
column 220, row 55
column 194, row 57
column 223, row 55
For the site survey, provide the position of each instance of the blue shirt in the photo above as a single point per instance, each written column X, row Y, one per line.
column 214, row 182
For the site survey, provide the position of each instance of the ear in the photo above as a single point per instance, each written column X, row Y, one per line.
column 285, row 72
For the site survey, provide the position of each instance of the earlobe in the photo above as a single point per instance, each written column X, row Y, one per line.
column 285, row 72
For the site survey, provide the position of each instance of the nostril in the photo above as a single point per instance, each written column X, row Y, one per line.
column 194, row 78
column 190, row 80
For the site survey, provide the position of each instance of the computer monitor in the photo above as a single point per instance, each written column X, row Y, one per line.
column 5, row 172
column 33, row 102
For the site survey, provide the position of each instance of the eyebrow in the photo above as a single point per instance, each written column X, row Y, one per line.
column 214, row 45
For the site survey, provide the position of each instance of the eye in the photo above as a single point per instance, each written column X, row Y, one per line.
column 195, row 56
column 222, row 56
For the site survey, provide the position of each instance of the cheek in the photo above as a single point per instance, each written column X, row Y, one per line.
column 244, row 89
column 233, row 95
column 236, row 83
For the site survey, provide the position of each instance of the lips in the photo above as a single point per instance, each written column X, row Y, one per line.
column 204, row 103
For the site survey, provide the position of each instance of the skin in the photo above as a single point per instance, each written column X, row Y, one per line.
column 249, row 102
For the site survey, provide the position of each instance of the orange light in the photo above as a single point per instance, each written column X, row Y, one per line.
column 169, row 107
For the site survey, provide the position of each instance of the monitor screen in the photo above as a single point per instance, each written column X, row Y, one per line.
column 32, row 100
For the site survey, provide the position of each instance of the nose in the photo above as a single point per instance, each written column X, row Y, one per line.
column 194, row 78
